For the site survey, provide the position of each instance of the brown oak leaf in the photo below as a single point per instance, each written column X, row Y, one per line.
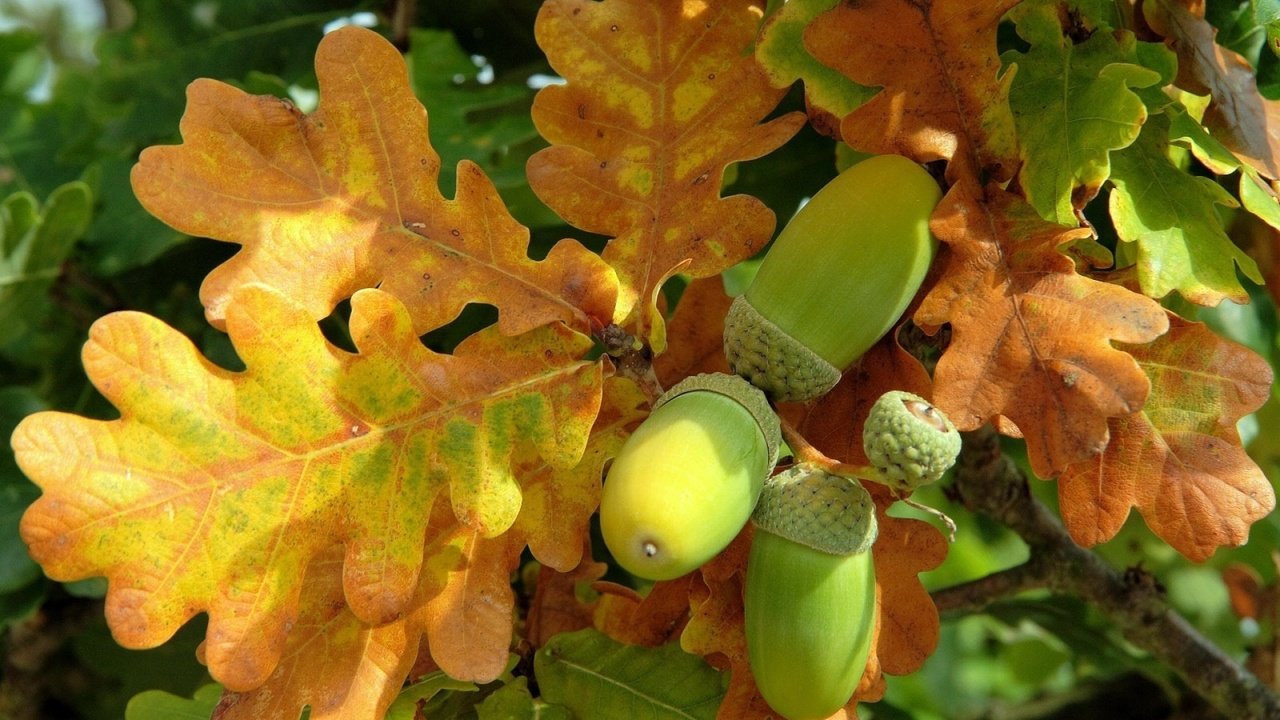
column 1178, row 460
column 1031, row 340
column 943, row 98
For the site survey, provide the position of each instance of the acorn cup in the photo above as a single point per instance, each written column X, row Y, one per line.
column 684, row 484
column 836, row 279
column 810, row 597
column 908, row 441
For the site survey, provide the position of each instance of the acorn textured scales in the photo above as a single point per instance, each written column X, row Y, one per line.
column 826, row 512
column 837, row 279
column 911, row 442
column 810, row 599
column 765, row 354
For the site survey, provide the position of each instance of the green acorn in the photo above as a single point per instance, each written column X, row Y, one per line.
column 836, row 279
column 684, row 484
column 810, row 597
column 909, row 441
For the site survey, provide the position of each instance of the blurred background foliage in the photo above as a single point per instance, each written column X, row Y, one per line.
column 86, row 84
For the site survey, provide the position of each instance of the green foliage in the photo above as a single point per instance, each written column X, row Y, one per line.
column 595, row 676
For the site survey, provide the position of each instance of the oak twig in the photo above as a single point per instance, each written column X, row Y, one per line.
column 989, row 482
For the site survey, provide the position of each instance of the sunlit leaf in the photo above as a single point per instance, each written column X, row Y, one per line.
column 1031, row 340
column 1072, row 104
column 215, row 489
column 1238, row 115
column 829, row 95
column 660, row 99
column 347, row 197
column 944, row 96
column 1171, row 215
column 1179, row 460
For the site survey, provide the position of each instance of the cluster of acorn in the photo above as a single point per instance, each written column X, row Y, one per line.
column 697, row 469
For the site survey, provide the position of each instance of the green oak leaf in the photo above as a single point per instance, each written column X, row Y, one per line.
column 485, row 122
column 1171, row 216
column 1266, row 13
column 514, row 702
column 160, row 705
column 782, row 54
column 1255, row 194
column 1073, row 105
column 597, row 677
column 34, row 242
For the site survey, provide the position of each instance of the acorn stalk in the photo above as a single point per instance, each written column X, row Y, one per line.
column 809, row 605
column 836, row 279
column 685, row 483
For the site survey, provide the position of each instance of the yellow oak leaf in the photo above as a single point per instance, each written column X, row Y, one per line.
column 347, row 197
column 469, row 620
column 943, row 96
column 1031, row 340
column 660, row 98
column 333, row 663
column 558, row 502
column 1179, row 460
column 215, row 489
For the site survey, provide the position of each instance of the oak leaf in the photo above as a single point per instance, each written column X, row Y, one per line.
column 829, row 95
column 660, row 98
column 557, row 502
column 348, row 197
column 215, row 489
column 943, row 96
column 1179, row 460
column 1072, row 104
column 1031, row 340
column 1173, row 219
column 1238, row 115
column 333, row 663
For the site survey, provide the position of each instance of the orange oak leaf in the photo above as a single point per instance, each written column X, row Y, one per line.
column 1179, row 460
column 715, row 628
column 1031, row 340
column 661, row 97
column 1238, row 115
column 696, row 332
column 347, row 197
column 943, row 96
column 652, row 620
column 558, row 502
column 555, row 607
column 215, row 489
column 469, row 620
column 334, row 663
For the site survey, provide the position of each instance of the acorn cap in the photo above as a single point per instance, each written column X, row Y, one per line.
column 760, row 351
column 908, row 440
column 826, row 512
column 740, row 391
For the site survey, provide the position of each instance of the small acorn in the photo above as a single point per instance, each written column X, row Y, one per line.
column 836, row 279
column 684, row 484
column 810, row 597
column 909, row 441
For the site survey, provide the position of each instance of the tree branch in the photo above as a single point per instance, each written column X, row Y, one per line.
column 989, row 482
